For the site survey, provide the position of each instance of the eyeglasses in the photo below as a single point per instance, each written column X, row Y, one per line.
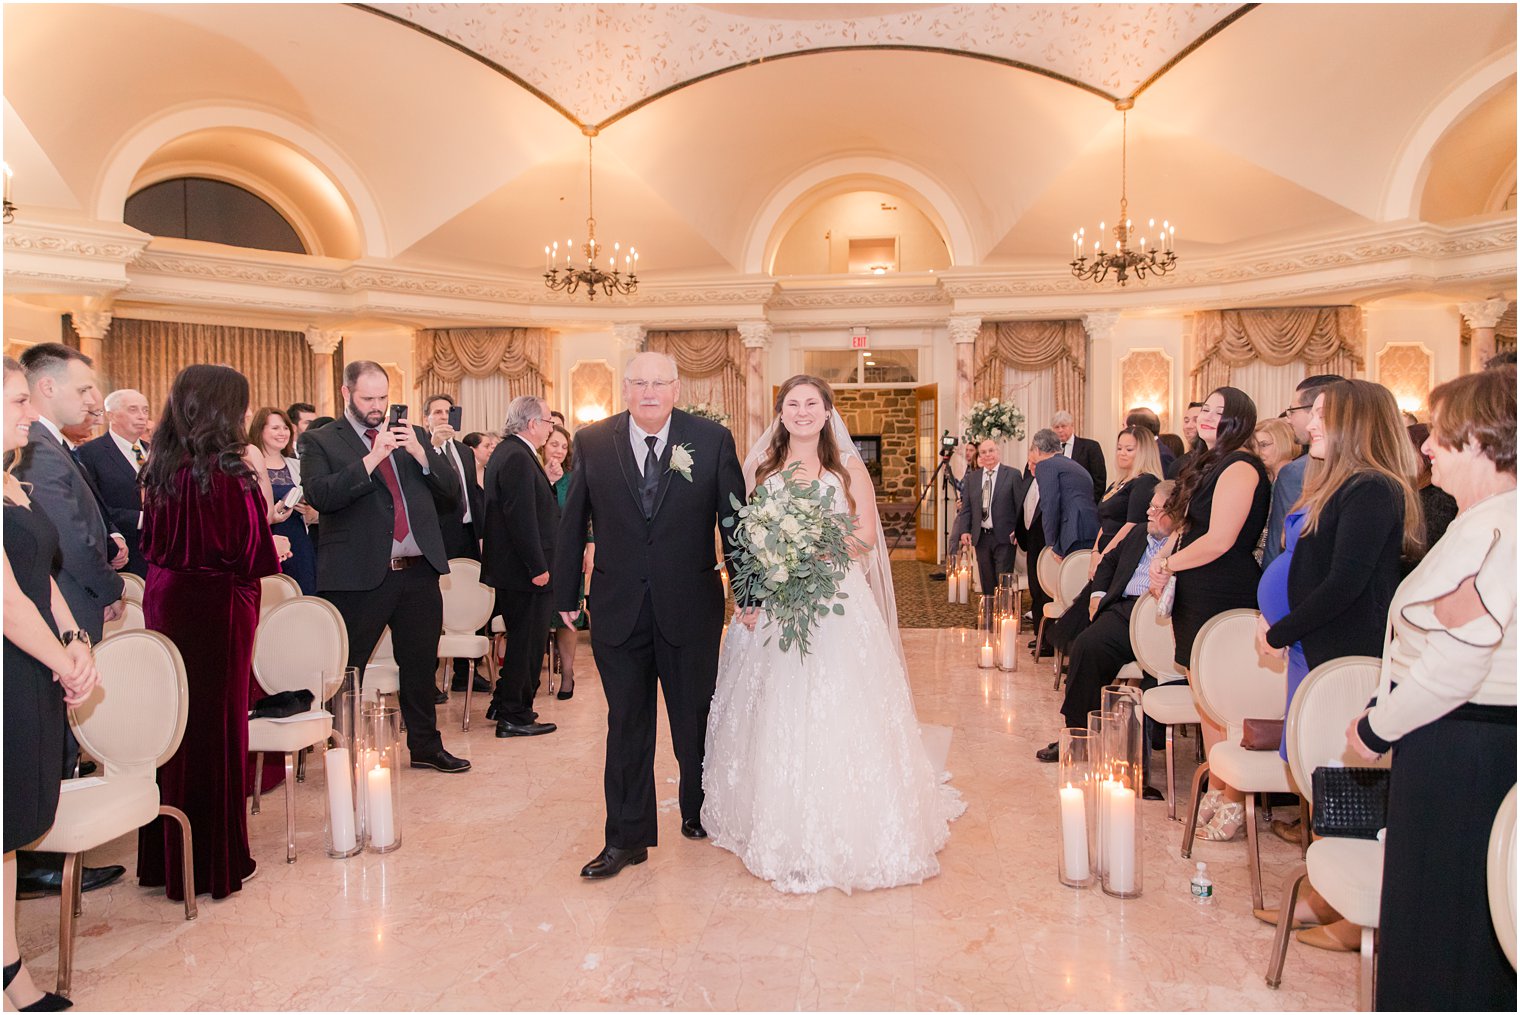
column 1300, row 408
column 641, row 386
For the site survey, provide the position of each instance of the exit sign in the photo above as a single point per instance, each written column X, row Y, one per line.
column 860, row 339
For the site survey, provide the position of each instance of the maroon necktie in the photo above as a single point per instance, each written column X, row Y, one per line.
column 399, row 528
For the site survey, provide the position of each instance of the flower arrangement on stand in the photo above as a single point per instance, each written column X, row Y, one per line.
column 708, row 411
column 994, row 419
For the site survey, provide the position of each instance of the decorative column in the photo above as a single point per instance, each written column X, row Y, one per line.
column 1098, row 367
column 963, row 332
column 756, row 336
column 323, row 344
column 1482, row 318
column 91, row 327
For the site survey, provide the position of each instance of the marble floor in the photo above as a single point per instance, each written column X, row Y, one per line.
column 482, row 908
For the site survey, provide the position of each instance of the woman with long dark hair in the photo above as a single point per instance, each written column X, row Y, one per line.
column 206, row 538
column 1223, row 496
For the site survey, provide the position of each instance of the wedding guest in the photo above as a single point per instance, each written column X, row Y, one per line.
column 301, row 416
column 1172, row 452
column 316, row 424
column 460, row 524
column 1192, row 446
column 558, row 418
column 206, row 536
column 1068, row 510
column 1445, row 706
column 1436, row 505
column 1276, row 444
column 112, row 462
column 1082, row 450
column 1500, row 360
column 272, row 436
column 481, row 445
column 1148, row 419
column 48, row 666
column 985, row 521
column 1289, row 482
column 1137, row 460
column 1222, row 496
column 557, row 461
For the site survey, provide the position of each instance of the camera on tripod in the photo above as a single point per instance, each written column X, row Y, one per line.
column 947, row 445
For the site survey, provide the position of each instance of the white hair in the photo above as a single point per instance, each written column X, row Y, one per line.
column 523, row 410
column 114, row 399
column 665, row 358
column 1061, row 418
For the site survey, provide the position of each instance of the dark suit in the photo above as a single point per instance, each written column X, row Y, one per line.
column 1067, row 505
column 355, row 567
column 115, row 479
column 1098, row 653
column 1031, row 539
column 461, row 538
column 62, row 490
column 1088, row 453
column 995, row 549
column 659, row 602
column 521, row 517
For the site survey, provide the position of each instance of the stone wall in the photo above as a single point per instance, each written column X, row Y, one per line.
column 889, row 413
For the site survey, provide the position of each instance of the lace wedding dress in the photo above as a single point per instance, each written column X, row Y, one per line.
column 815, row 773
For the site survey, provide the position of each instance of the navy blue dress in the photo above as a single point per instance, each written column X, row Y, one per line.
column 1272, row 596
column 302, row 565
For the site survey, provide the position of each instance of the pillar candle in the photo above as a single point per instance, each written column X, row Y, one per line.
column 1121, row 839
column 964, row 595
column 382, row 821
column 1009, row 643
column 340, row 799
column 1074, row 833
column 985, row 660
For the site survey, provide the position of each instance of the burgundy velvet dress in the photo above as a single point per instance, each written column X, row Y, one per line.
column 206, row 553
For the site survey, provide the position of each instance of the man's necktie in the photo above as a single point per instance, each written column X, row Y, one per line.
column 137, row 453
column 399, row 527
column 986, row 498
column 651, row 485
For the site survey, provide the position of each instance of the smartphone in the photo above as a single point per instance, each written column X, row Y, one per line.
column 292, row 498
column 395, row 415
column 456, row 417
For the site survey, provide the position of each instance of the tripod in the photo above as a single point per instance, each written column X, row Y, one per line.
column 942, row 473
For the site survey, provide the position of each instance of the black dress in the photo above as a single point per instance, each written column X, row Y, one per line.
column 35, row 717
column 1129, row 504
column 1229, row 581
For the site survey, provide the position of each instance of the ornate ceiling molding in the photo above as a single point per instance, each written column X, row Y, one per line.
column 95, row 242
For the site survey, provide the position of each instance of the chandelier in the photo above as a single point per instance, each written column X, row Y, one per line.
column 10, row 209
column 566, row 277
column 1152, row 256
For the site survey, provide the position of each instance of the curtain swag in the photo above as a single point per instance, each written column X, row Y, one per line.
column 1324, row 339
column 714, row 357
column 1057, row 346
column 445, row 356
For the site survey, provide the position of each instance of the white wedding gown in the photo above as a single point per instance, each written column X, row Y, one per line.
column 815, row 773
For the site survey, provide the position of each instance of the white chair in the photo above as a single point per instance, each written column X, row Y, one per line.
column 1501, row 875
column 131, row 619
column 467, row 606
column 1231, row 683
column 1045, row 573
column 132, row 722
column 298, row 643
column 1170, row 703
column 1071, row 579
column 132, row 587
column 1347, row 872
column 381, row 674
column 276, row 589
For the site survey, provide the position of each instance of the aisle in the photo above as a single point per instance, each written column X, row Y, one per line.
column 482, row 908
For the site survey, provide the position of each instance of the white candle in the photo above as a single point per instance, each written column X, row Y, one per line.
column 952, row 582
column 1105, row 799
column 1121, row 839
column 1009, row 642
column 382, row 822
column 986, row 660
column 340, row 799
column 964, row 595
column 1074, row 833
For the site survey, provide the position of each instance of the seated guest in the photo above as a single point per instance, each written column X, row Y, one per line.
column 1138, row 462
column 301, row 415
column 1436, row 505
column 1275, row 444
column 113, row 460
column 555, row 455
column 993, row 493
column 273, row 436
column 1082, row 450
column 1288, row 484
column 1172, row 449
column 1103, row 648
column 1148, row 419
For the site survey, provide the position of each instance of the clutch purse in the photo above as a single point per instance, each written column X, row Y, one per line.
column 1350, row 802
column 1168, row 598
column 1261, row 734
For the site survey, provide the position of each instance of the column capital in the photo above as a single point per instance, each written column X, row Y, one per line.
column 1484, row 313
column 91, row 324
column 964, row 329
column 1100, row 324
column 629, row 337
column 323, row 342
column 755, row 334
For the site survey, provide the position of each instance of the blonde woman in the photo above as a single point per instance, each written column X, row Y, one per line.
column 1137, row 462
column 1276, row 444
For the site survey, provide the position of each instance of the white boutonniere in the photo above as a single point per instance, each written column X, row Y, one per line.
column 681, row 461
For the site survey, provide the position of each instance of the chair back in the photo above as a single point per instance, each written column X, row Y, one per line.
column 385, row 651
column 1323, row 706
column 135, row 718
column 467, row 604
column 132, row 587
column 1154, row 644
column 1501, row 875
column 1071, row 579
column 298, row 642
column 274, row 590
column 1230, row 681
column 131, row 619
column 1047, row 572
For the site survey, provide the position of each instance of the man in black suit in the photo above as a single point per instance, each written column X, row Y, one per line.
column 112, row 462
column 654, row 482
column 462, row 527
column 521, row 518
column 1082, row 450
column 990, row 501
column 381, row 549
column 1103, row 648
column 301, row 415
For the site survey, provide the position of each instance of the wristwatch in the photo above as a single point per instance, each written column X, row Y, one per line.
column 70, row 637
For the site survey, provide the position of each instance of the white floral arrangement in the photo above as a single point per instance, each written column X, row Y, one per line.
column 994, row 419
column 708, row 411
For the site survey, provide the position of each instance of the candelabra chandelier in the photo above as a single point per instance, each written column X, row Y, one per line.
column 1154, row 255
column 10, row 208
column 563, row 276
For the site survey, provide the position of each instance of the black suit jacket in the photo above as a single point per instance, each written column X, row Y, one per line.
column 1118, row 566
column 1007, row 504
column 354, row 551
column 1067, row 509
column 116, row 481
column 1088, row 453
column 456, row 539
column 1031, row 537
column 670, row 557
column 521, row 518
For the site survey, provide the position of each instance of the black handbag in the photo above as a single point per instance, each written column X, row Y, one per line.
column 282, row 705
column 1351, row 803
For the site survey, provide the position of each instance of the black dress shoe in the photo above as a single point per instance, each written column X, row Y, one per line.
column 692, row 829
column 1045, row 653
column 47, row 1002
column 87, row 769
column 506, row 729
column 441, row 697
column 493, row 716
column 1051, row 753
column 443, row 761
column 41, row 882
column 482, row 685
column 1152, row 793
column 612, row 860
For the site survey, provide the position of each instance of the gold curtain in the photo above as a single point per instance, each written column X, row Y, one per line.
column 517, row 355
column 711, row 367
column 1327, row 340
column 147, row 355
column 1057, row 346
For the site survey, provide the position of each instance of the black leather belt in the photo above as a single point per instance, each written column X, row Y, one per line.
column 402, row 563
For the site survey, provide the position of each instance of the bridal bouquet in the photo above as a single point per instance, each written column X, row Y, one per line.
column 995, row 420
column 793, row 549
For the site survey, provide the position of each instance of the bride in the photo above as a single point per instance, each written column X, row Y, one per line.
column 815, row 773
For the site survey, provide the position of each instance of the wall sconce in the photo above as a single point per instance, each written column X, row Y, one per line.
column 590, row 414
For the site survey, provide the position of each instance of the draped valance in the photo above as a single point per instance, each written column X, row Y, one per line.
column 711, row 367
column 1327, row 340
column 519, row 356
column 1029, row 346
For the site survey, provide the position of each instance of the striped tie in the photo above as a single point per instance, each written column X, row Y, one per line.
column 137, row 453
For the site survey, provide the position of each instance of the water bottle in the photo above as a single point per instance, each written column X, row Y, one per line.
column 1203, row 888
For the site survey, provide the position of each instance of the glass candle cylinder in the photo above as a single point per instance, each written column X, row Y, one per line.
column 986, row 632
column 963, row 592
column 380, row 777
column 1097, row 802
column 952, row 575
column 1007, row 639
column 1123, row 745
column 1075, row 839
column 343, row 831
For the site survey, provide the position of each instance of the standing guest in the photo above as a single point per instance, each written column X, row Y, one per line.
column 1172, row 450
column 521, row 516
column 1192, row 446
column 1445, row 706
column 557, row 417
column 381, row 548
column 1275, row 444
column 206, row 506
column 1147, row 418
column 481, row 446
column 112, row 462
column 1437, row 506
column 316, row 424
column 1082, row 450
column 1288, row 485
column 986, row 518
column 1222, row 496
column 271, row 435
column 1058, row 511
column 461, row 533
column 558, row 464
column 302, row 416
column 48, row 665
